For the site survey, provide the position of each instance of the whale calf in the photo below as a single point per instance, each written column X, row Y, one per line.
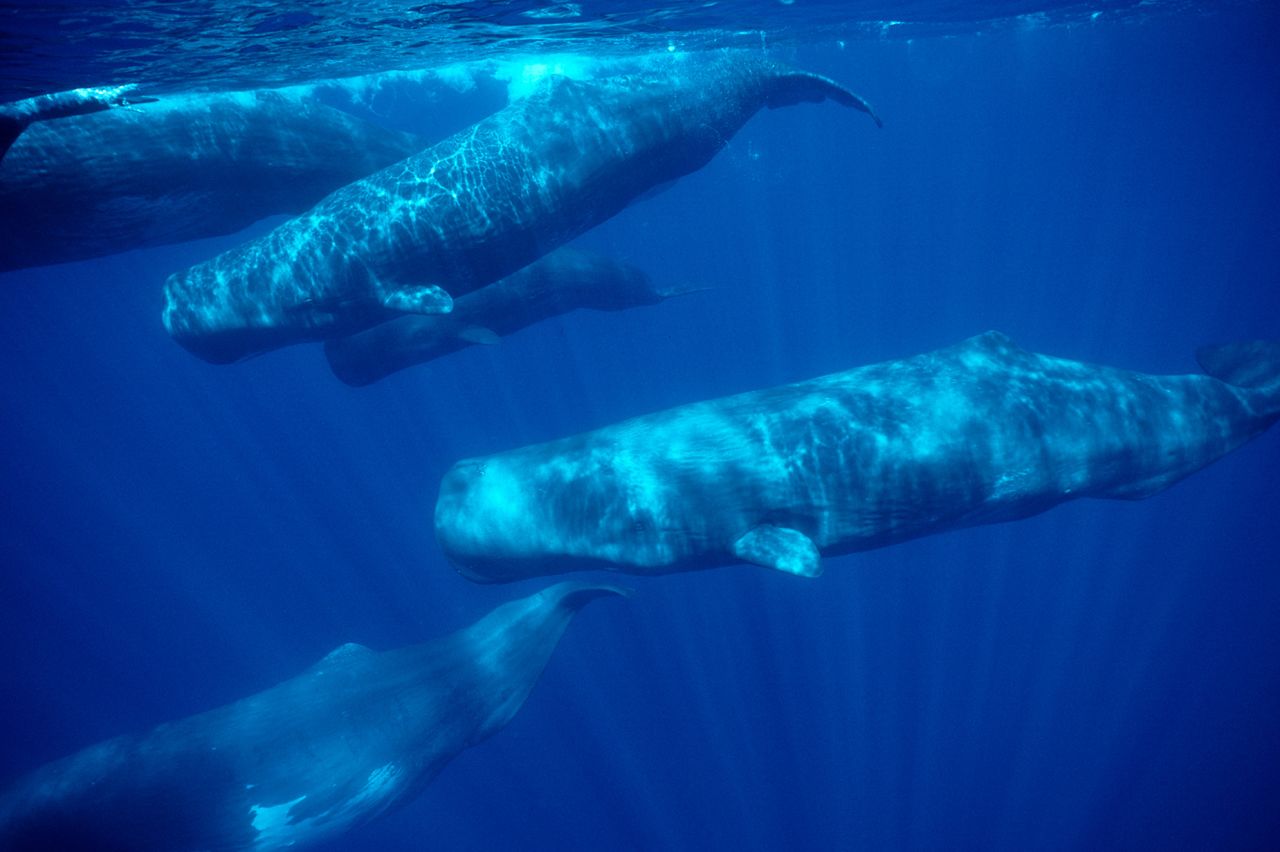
column 976, row 433
column 563, row 281
column 352, row 737
column 176, row 168
column 479, row 205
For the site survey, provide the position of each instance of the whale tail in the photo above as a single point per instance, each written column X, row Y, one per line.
column 515, row 642
column 795, row 87
column 1253, row 364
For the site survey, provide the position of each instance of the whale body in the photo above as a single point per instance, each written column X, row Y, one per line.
column 479, row 205
column 352, row 737
column 563, row 281
column 177, row 168
column 976, row 433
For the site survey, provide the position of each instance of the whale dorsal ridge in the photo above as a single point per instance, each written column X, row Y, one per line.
column 991, row 342
column 350, row 650
column 780, row 548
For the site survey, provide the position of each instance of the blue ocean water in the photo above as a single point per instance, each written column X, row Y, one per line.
column 1105, row 675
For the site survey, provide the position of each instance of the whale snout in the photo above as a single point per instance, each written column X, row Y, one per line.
column 486, row 520
column 549, row 509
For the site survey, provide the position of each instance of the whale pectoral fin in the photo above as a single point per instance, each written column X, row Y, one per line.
column 420, row 299
column 479, row 334
column 780, row 548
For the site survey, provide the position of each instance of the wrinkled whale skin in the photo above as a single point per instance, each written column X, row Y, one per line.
column 177, row 168
column 976, row 433
column 479, row 205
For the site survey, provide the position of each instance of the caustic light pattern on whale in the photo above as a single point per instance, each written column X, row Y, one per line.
column 979, row 432
column 479, row 205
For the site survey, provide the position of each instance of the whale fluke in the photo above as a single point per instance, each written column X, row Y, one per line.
column 1245, row 364
column 795, row 87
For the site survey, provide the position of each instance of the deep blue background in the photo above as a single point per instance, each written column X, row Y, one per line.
column 177, row 535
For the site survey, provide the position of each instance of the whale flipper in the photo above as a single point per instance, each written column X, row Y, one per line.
column 780, row 548
column 1247, row 364
column 795, row 87
column 419, row 299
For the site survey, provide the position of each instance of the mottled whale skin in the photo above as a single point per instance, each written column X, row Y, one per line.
column 352, row 737
column 178, row 168
column 976, row 433
column 563, row 281
column 479, row 205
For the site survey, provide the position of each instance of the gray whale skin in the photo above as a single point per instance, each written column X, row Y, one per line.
column 17, row 116
column 177, row 167
column 479, row 205
column 350, row 738
column 976, row 433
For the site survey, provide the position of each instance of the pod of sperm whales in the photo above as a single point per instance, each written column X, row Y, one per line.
column 976, row 433
column 17, row 116
column 563, row 281
column 479, row 205
column 355, row 735
column 177, row 168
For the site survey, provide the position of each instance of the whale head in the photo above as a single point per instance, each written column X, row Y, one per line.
column 571, row 505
